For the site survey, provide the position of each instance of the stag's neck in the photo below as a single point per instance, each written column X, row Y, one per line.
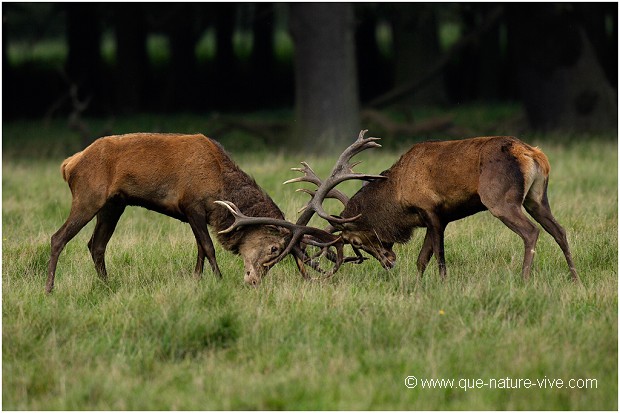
column 381, row 212
column 244, row 192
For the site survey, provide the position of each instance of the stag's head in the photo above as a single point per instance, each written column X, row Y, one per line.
column 260, row 247
column 378, row 225
column 367, row 240
column 267, row 241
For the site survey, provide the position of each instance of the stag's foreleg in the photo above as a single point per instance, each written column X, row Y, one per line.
column 425, row 253
column 198, row 222
column 435, row 237
column 200, row 260
column 107, row 218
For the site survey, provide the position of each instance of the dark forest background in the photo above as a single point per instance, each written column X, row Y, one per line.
column 334, row 65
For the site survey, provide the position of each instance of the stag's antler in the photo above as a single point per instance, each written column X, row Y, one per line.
column 299, row 230
column 310, row 176
column 342, row 171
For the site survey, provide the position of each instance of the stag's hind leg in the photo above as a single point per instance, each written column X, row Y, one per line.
column 80, row 215
column 538, row 207
column 514, row 218
column 501, row 190
column 107, row 218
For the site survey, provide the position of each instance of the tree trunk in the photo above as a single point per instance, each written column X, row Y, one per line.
column 225, row 62
column 375, row 72
column 131, row 57
column 478, row 73
column 416, row 50
column 600, row 21
column 84, row 58
column 561, row 81
column 326, row 94
column 262, row 58
column 183, row 29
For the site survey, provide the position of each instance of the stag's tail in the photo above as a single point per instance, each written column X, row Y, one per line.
column 541, row 160
column 68, row 164
column 535, row 168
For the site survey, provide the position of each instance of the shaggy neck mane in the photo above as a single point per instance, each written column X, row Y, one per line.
column 379, row 214
column 244, row 192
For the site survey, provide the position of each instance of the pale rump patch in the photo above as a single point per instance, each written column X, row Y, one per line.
column 535, row 168
column 529, row 170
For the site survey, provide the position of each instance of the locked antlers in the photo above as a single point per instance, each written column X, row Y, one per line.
column 302, row 235
column 342, row 171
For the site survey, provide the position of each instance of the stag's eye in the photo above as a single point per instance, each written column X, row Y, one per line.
column 274, row 250
column 356, row 242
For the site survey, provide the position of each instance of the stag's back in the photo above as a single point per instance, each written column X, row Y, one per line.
column 447, row 172
column 142, row 163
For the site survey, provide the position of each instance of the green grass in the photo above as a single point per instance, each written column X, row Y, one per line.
column 153, row 338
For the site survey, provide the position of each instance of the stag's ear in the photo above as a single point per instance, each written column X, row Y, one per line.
column 349, row 226
column 276, row 230
column 355, row 241
column 336, row 226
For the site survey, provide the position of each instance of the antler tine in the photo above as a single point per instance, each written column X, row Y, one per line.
column 334, row 193
column 233, row 210
column 361, row 144
column 241, row 219
column 309, row 175
column 357, row 259
column 299, row 231
column 303, row 258
column 315, row 205
column 328, row 243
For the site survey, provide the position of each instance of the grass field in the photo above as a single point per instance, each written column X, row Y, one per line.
column 155, row 338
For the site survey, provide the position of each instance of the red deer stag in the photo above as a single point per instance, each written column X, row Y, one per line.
column 184, row 177
column 438, row 182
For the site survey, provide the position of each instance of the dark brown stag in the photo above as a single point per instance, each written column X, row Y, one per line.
column 435, row 183
column 182, row 176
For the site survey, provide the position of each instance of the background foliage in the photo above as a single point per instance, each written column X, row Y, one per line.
column 558, row 61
